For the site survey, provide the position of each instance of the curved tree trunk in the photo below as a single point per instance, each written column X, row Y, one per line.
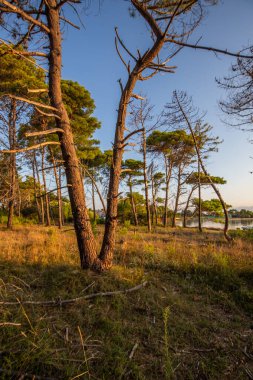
column 207, row 175
column 85, row 238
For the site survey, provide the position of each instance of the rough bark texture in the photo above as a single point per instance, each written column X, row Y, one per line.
column 84, row 234
column 108, row 245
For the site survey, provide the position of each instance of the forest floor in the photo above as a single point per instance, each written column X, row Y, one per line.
column 193, row 319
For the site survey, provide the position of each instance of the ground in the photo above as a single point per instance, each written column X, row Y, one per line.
column 193, row 319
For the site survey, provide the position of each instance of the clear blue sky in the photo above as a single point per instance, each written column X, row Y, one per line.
column 89, row 57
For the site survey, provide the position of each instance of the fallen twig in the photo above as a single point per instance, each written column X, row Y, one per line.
column 133, row 351
column 60, row 302
column 9, row 324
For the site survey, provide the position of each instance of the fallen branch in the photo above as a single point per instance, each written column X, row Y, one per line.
column 60, row 302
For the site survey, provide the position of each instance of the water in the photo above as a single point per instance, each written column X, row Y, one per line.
column 234, row 223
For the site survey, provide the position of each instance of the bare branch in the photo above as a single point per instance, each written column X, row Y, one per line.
column 209, row 48
column 60, row 302
column 51, row 191
column 123, row 45
column 41, row 133
column 30, row 101
column 25, row 15
column 70, row 22
column 47, row 114
column 131, row 134
column 30, row 147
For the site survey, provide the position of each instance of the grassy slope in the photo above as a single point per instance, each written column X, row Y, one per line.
column 192, row 321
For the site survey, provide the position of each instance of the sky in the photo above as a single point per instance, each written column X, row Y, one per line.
column 89, row 57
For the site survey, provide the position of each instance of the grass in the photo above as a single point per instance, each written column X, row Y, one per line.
column 192, row 321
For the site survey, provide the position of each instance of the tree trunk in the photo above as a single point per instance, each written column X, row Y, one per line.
column 95, row 185
column 168, row 171
column 108, row 245
column 13, row 169
column 199, row 205
column 173, row 223
column 48, row 221
column 39, row 190
column 144, row 150
column 85, row 238
column 35, row 190
column 187, row 205
column 207, row 175
column 93, row 201
column 154, row 208
column 132, row 202
column 58, row 187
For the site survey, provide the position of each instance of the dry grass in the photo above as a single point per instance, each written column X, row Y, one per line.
column 193, row 321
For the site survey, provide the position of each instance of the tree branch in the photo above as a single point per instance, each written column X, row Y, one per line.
column 30, row 147
column 59, row 302
column 25, row 15
column 209, row 48
column 41, row 133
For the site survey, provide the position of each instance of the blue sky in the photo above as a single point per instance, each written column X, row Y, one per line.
column 89, row 57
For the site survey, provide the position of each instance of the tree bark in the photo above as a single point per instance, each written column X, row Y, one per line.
column 108, row 245
column 173, row 223
column 145, row 178
column 39, row 190
column 153, row 199
column 132, row 202
column 58, row 191
column 85, row 238
column 93, row 201
column 48, row 221
column 35, row 190
column 13, row 169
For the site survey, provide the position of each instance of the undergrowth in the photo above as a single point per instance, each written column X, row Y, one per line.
column 193, row 320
